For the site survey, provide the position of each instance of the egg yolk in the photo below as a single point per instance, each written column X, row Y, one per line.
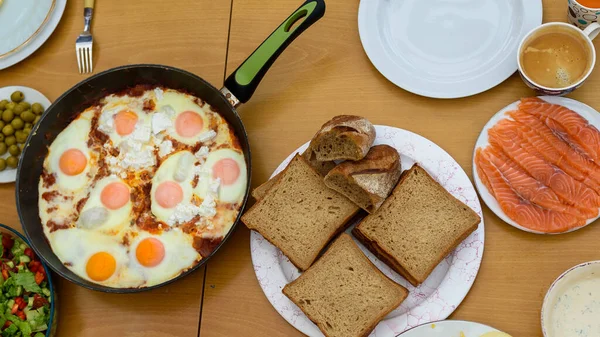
column 150, row 252
column 168, row 194
column 114, row 195
column 101, row 266
column 72, row 162
column 227, row 169
column 125, row 122
column 188, row 124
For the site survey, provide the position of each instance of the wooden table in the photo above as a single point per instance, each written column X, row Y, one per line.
column 324, row 73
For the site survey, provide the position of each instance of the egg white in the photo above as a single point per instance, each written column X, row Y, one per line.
column 118, row 219
column 106, row 123
column 229, row 194
column 74, row 136
column 179, row 255
column 177, row 103
column 166, row 172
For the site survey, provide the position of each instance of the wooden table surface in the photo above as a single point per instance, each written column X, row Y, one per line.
column 323, row 73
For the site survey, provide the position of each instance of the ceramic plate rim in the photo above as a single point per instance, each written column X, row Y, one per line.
column 482, row 141
column 34, row 34
column 498, row 73
column 451, row 322
column 38, row 40
column 10, row 175
column 449, row 307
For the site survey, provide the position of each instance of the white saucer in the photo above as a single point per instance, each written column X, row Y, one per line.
column 449, row 328
column 37, row 27
column 31, row 96
column 446, row 48
column 584, row 110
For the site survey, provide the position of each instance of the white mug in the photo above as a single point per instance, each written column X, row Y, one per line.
column 588, row 34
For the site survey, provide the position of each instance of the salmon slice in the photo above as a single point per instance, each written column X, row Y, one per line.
column 520, row 210
column 537, row 145
column 574, row 157
column 578, row 128
column 526, row 186
column 571, row 190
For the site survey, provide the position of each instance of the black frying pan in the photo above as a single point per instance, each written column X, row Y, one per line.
column 238, row 88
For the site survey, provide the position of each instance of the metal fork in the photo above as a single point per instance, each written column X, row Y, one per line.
column 83, row 45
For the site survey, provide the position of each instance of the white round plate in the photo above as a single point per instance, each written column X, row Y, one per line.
column 37, row 29
column 433, row 300
column 584, row 110
column 446, row 49
column 31, row 96
column 449, row 329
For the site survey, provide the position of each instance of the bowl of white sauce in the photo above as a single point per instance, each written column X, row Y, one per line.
column 572, row 304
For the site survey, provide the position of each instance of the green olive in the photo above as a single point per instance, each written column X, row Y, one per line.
column 27, row 131
column 10, row 140
column 25, row 105
column 28, row 126
column 17, row 123
column 14, row 150
column 8, row 130
column 8, row 115
column 2, row 124
column 1, row 137
column 20, row 136
column 3, row 104
column 12, row 162
column 28, row 116
column 37, row 109
column 10, row 105
column 37, row 119
column 21, row 146
column 2, row 164
column 18, row 109
column 3, row 149
column 17, row 96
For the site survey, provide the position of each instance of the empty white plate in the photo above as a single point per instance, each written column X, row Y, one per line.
column 446, row 48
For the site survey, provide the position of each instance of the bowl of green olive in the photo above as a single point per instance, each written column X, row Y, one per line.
column 20, row 109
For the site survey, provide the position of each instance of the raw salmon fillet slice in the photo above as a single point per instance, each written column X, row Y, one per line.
column 575, row 158
column 561, row 183
column 520, row 210
column 538, row 146
column 526, row 186
column 579, row 130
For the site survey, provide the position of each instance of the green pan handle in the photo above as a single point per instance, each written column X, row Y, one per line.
column 245, row 79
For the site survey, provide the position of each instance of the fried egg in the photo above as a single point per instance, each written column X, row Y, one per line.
column 69, row 156
column 172, row 184
column 228, row 167
column 181, row 118
column 121, row 120
column 91, row 255
column 108, row 208
column 157, row 258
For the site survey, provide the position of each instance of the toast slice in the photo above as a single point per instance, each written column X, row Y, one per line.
column 417, row 226
column 369, row 181
column 300, row 215
column 323, row 167
column 344, row 137
column 343, row 293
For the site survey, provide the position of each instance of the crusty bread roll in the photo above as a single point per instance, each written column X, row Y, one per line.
column 344, row 137
column 369, row 181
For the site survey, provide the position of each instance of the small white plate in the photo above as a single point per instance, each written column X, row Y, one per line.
column 25, row 25
column 449, row 48
column 31, row 96
column 572, row 278
column 449, row 329
column 584, row 110
column 433, row 300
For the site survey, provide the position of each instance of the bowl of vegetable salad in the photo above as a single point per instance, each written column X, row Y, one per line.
column 27, row 301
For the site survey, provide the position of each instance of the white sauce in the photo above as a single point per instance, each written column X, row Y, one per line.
column 576, row 309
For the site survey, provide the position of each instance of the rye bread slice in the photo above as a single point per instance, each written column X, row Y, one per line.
column 417, row 226
column 300, row 215
column 344, row 293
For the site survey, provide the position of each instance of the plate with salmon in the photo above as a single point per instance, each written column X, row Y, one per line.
column 536, row 164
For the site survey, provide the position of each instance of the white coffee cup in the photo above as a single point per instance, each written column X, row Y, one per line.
column 588, row 34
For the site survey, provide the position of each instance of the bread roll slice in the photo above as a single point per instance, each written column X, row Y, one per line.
column 344, row 137
column 343, row 293
column 322, row 167
column 417, row 226
column 299, row 214
column 369, row 181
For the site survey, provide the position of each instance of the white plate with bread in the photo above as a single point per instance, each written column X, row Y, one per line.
column 424, row 225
